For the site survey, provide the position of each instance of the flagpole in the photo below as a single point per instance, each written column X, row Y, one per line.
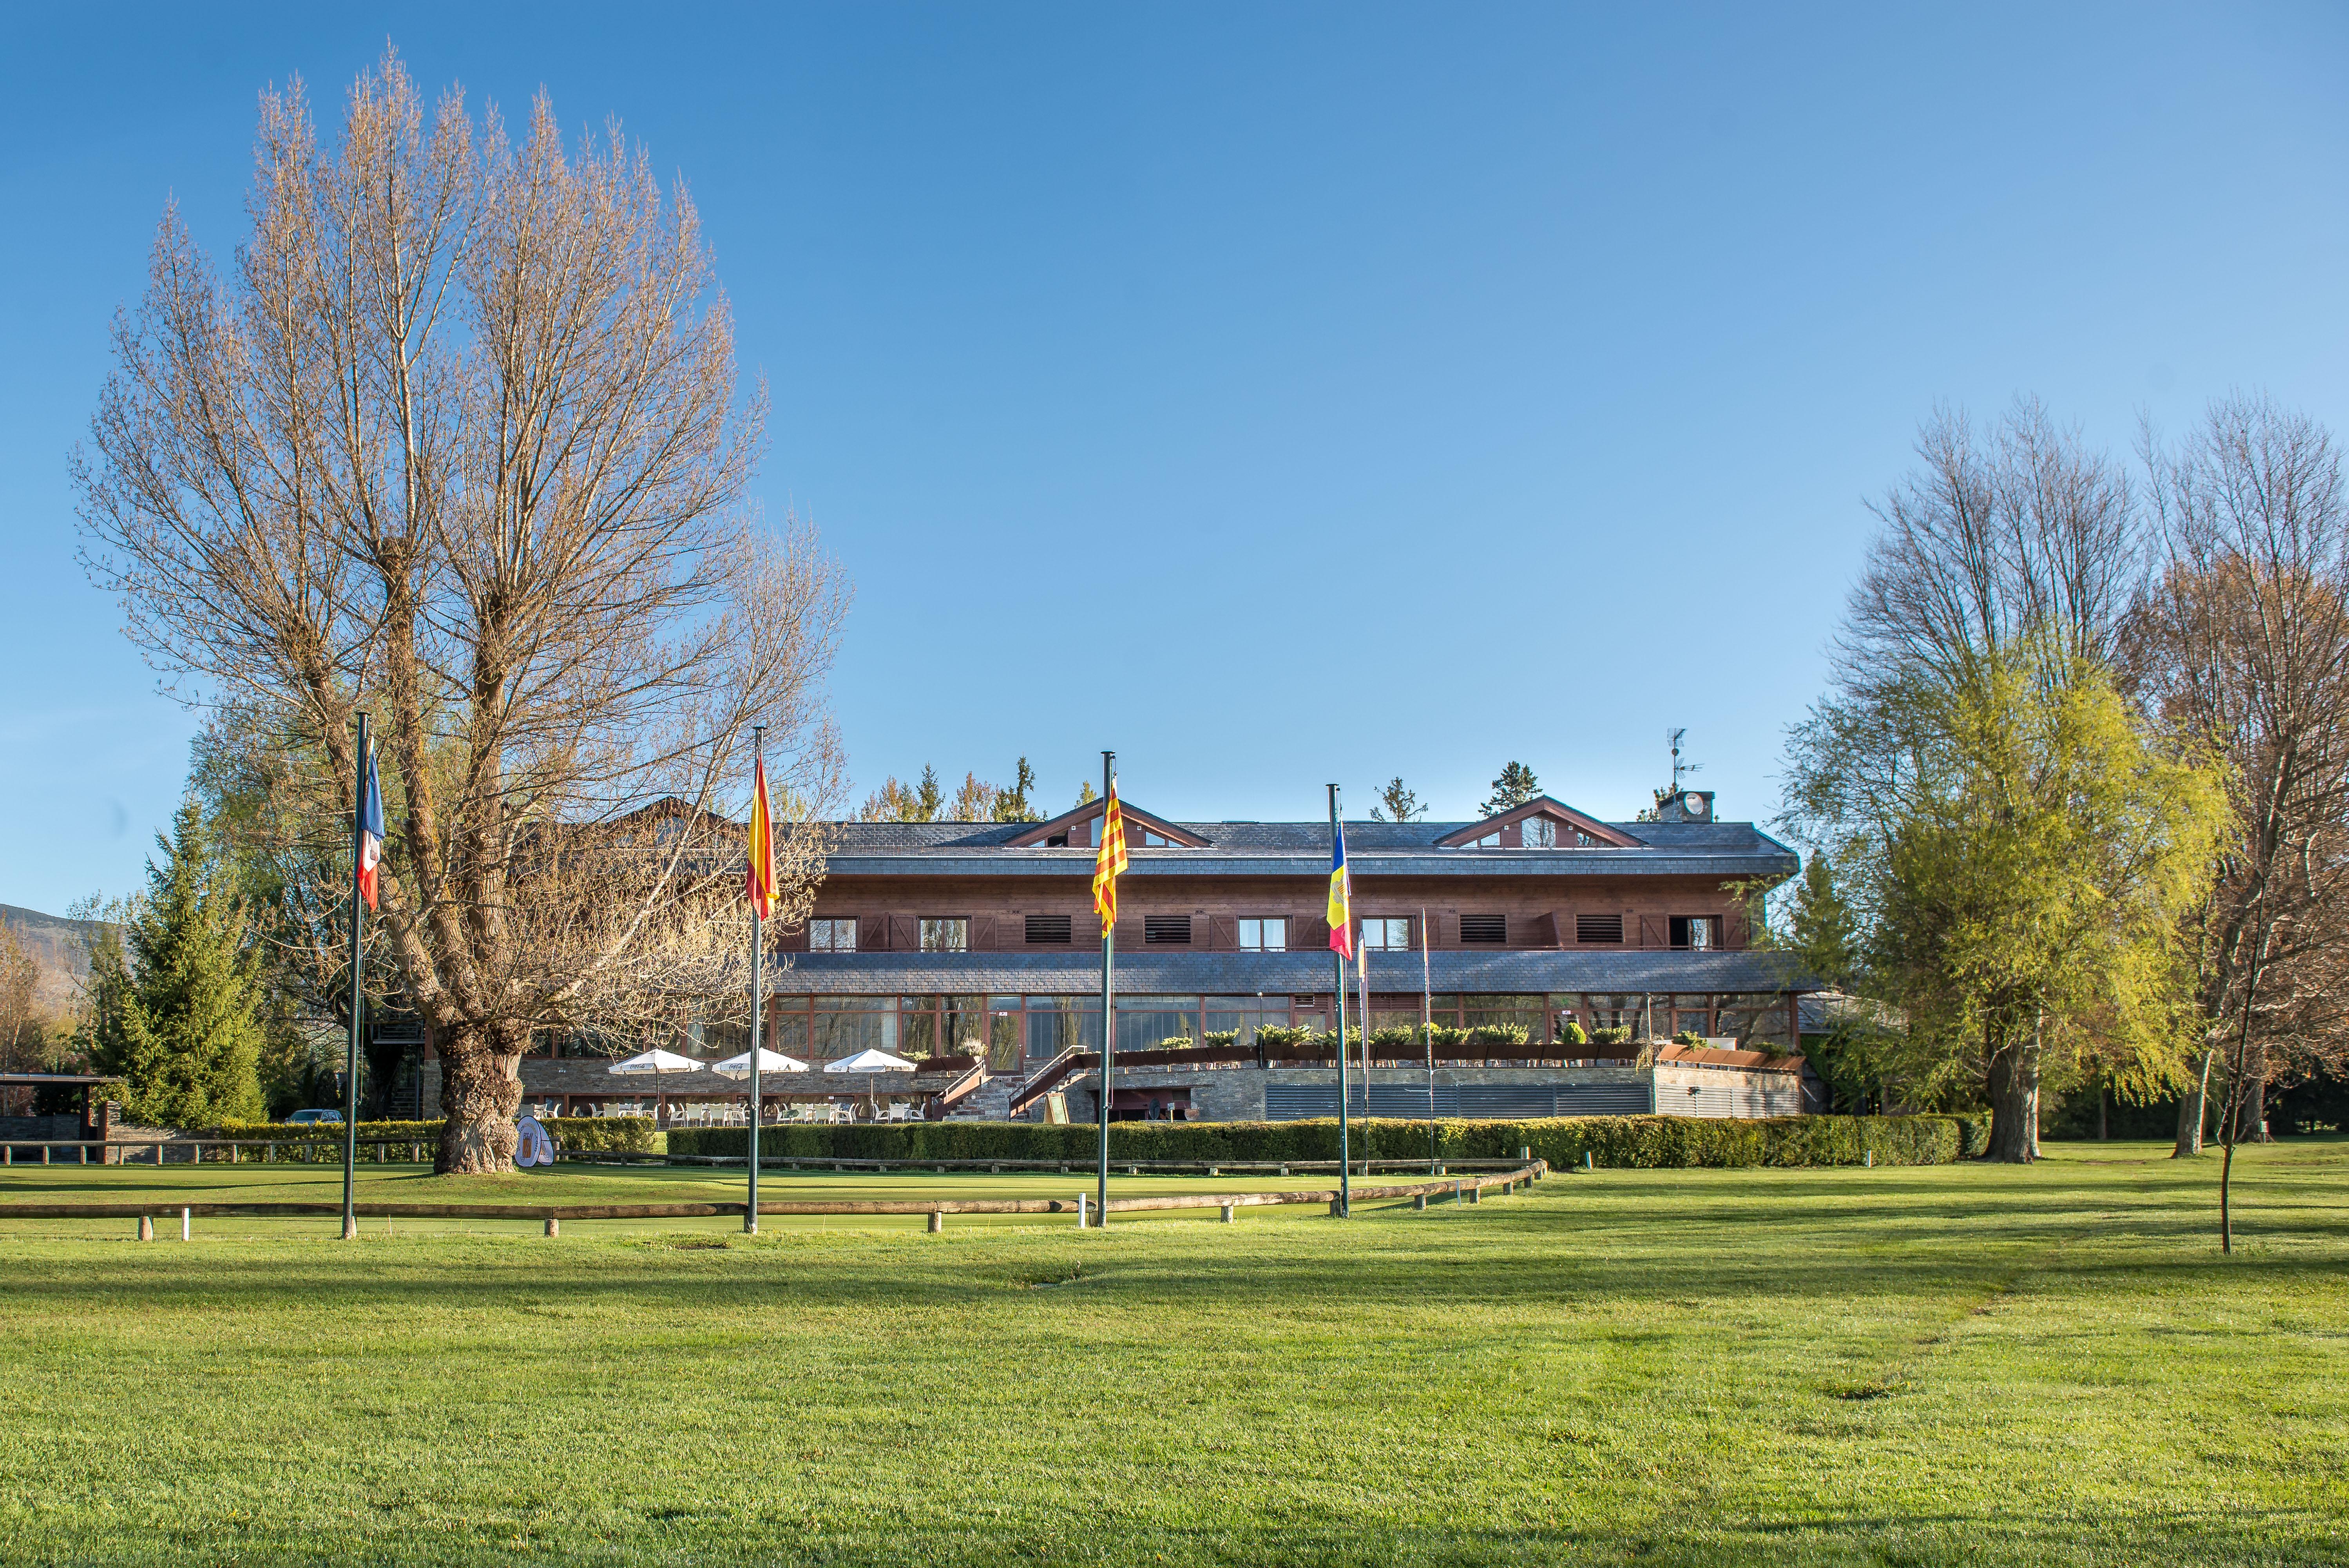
column 1427, row 1032
column 1345, row 1146
column 1109, row 1017
column 358, row 995
column 757, row 992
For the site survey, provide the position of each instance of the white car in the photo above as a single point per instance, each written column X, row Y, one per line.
column 312, row 1118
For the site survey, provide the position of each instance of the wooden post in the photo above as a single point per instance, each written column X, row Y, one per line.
column 1419, row 1201
column 553, row 1226
column 146, row 1227
column 1227, row 1213
column 938, row 1220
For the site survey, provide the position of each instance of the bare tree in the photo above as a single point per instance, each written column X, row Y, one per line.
column 20, row 1024
column 2021, row 542
column 2244, row 642
column 458, row 440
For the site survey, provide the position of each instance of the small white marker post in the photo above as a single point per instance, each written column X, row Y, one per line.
column 184, row 1225
column 1082, row 1203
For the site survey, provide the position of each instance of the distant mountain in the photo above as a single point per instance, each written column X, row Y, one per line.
column 55, row 944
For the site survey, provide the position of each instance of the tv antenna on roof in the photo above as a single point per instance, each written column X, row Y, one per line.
column 1679, row 767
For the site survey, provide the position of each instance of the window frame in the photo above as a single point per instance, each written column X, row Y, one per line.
column 1260, row 945
column 831, row 925
column 961, row 925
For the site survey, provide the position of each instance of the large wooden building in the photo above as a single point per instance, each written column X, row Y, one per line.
column 973, row 948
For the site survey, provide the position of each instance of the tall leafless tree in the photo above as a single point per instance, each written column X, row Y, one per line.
column 2244, row 644
column 458, row 439
column 2019, row 540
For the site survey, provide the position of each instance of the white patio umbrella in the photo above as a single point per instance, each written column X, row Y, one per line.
column 869, row 1063
column 768, row 1062
column 655, row 1062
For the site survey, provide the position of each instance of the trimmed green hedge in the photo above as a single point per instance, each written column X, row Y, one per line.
column 577, row 1134
column 1621, row 1141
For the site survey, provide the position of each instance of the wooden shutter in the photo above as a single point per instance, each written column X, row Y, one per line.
column 872, row 933
column 1733, row 929
column 982, row 933
column 1308, row 934
column 793, row 940
column 1655, row 931
column 904, row 934
column 1542, row 931
column 1222, row 933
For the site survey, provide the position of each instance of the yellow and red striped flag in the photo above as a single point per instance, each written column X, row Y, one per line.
column 1109, row 861
column 759, row 883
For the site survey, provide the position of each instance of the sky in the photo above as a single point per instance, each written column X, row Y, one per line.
column 1277, row 395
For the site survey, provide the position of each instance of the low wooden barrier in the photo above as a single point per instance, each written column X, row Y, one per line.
column 1469, row 1187
column 318, row 1150
column 1065, row 1167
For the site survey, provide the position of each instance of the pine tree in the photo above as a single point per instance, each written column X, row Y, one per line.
column 1397, row 804
column 1515, row 787
column 1085, row 795
column 1017, row 804
column 1822, row 926
column 927, row 796
column 184, row 1028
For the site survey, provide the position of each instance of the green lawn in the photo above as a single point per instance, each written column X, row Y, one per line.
column 1909, row 1366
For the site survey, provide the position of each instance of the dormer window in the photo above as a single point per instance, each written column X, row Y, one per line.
column 1151, row 840
column 1540, row 834
column 1489, row 841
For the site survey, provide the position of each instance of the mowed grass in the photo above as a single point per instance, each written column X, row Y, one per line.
column 1947, row 1364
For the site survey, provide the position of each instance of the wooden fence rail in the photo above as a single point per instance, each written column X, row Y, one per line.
column 318, row 1150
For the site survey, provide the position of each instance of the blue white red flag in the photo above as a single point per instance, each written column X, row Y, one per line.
column 370, row 829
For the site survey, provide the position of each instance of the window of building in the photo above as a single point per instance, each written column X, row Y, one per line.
column 946, row 935
column 1484, row 928
column 1539, row 833
column 1048, row 930
column 1387, row 935
column 1057, row 842
column 1264, row 936
column 1598, row 928
column 1146, row 1023
column 831, row 936
column 1149, row 840
column 1696, row 930
column 1491, row 841
column 1166, row 930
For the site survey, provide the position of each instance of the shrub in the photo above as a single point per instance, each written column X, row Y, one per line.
column 1511, row 1034
column 598, row 1134
column 1219, row 1037
column 1619, row 1142
column 1570, row 1031
column 1620, row 1034
column 1688, row 1037
column 1394, row 1040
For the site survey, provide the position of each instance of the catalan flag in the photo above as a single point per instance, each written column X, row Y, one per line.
column 759, row 883
column 1109, row 861
column 1341, row 894
column 370, row 829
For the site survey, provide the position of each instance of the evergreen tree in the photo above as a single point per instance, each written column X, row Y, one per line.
column 1515, row 787
column 927, row 796
column 1085, row 793
column 1397, row 804
column 1017, row 804
column 1823, row 931
column 178, row 1000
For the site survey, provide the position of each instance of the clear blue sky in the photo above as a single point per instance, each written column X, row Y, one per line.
column 1277, row 394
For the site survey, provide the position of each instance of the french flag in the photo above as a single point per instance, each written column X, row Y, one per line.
column 370, row 829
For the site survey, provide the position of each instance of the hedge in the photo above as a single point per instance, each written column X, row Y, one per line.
column 1621, row 1141
column 577, row 1134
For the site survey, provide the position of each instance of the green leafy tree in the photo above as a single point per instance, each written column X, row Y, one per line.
column 1515, row 787
column 2022, row 853
column 1086, row 794
column 179, row 1005
column 1398, row 804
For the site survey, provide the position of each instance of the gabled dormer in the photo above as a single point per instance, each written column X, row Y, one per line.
column 1080, row 829
column 1541, row 823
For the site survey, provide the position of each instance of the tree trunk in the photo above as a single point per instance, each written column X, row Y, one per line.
column 2255, row 1101
column 2104, row 1115
column 2190, row 1112
column 481, row 1089
column 2013, row 1104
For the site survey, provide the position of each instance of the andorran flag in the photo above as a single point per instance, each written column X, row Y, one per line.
column 1342, row 895
column 759, row 883
column 1109, row 861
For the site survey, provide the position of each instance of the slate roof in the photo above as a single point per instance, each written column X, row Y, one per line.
column 1299, row 848
column 1514, row 970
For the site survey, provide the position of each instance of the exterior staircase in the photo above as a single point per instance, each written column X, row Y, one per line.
column 991, row 1102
